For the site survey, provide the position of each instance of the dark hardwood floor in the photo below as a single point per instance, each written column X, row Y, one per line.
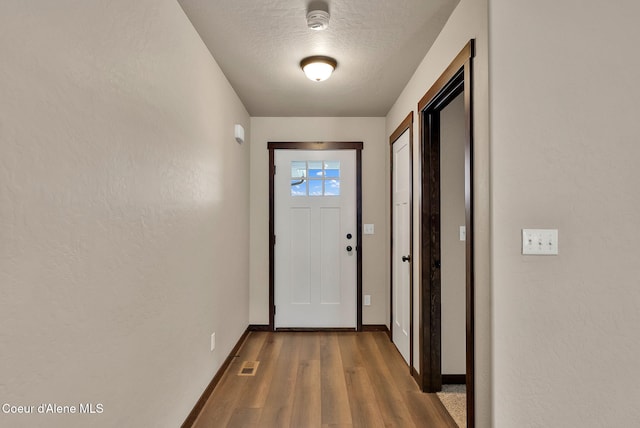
column 307, row 380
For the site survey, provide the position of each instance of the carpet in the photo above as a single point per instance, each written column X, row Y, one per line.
column 454, row 399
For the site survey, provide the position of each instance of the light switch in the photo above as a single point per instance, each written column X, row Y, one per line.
column 541, row 242
column 368, row 229
column 463, row 233
column 367, row 300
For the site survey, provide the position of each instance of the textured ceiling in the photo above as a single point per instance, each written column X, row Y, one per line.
column 259, row 44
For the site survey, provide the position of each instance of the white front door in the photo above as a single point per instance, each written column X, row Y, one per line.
column 316, row 235
column 401, row 264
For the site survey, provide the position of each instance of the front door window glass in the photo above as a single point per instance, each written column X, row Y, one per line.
column 315, row 178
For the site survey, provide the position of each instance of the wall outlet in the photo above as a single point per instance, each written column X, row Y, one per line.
column 367, row 299
column 213, row 341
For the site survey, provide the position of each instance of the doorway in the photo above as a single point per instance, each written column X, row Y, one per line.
column 315, row 228
column 401, row 300
column 454, row 82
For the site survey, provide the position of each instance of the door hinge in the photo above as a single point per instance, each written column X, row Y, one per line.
column 274, row 309
column 274, row 169
column 274, row 239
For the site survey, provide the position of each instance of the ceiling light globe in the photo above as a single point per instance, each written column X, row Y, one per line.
column 318, row 71
column 318, row 68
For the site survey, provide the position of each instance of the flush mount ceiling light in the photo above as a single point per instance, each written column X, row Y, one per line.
column 318, row 68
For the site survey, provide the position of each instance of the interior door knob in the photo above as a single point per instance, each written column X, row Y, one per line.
column 406, row 258
column 349, row 248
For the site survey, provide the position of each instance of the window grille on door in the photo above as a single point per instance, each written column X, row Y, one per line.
column 315, row 178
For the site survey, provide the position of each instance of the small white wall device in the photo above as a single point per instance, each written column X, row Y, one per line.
column 540, row 242
column 239, row 133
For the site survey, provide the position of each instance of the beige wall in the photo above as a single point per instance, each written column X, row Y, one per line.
column 453, row 256
column 469, row 20
column 565, row 151
column 123, row 212
column 375, row 262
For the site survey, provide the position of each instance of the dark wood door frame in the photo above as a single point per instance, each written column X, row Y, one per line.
column 405, row 126
column 313, row 145
column 457, row 79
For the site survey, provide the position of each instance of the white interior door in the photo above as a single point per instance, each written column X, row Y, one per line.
column 315, row 228
column 401, row 257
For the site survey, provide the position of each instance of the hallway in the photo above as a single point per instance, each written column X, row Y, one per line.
column 321, row 380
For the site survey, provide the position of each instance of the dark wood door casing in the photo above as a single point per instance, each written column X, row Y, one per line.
column 315, row 145
column 457, row 79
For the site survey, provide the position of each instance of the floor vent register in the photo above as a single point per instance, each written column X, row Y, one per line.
column 248, row 368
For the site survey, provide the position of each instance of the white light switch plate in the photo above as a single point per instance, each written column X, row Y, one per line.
column 463, row 233
column 541, row 242
column 367, row 300
column 368, row 229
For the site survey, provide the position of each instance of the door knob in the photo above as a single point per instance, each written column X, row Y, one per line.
column 349, row 248
column 406, row 258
